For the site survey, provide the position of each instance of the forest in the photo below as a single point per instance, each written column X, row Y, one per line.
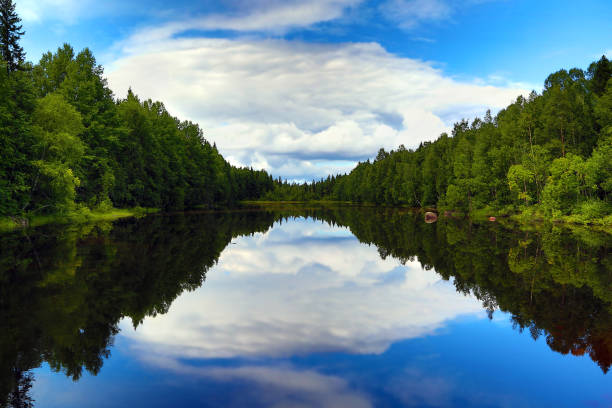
column 68, row 145
column 547, row 155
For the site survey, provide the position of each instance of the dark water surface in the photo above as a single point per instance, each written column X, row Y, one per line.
column 305, row 308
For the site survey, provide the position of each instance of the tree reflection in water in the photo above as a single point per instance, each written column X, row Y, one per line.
column 63, row 291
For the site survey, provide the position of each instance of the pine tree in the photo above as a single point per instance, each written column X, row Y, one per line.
column 10, row 33
column 600, row 73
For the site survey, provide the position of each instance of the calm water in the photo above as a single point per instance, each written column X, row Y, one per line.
column 305, row 308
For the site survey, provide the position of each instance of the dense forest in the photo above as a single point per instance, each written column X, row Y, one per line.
column 549, row 153
column 68, row 145
column 64, row 290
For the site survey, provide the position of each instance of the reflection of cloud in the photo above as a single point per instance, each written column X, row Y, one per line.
column 414, row 388
column 292, row 106
column 271, row 386
column 296, row 290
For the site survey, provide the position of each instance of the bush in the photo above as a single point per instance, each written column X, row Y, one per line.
column 593, row 209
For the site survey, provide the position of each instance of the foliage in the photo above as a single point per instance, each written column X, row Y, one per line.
column 550, row 151
column 67, row 143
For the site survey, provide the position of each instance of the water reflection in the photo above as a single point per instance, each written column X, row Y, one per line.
column 303, row 288
column 290, row 309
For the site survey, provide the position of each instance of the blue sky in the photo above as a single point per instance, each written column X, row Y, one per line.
column 304, row 88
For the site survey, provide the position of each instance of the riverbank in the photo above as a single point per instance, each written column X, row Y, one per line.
column 8, row 224
column 528, row 217
column 525, row 219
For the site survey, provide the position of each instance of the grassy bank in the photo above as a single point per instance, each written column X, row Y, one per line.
column 77, row 217
column 529, row 216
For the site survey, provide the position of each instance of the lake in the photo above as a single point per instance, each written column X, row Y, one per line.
column 305, row 307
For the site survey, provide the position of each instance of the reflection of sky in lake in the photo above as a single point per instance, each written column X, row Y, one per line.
column 305, row 315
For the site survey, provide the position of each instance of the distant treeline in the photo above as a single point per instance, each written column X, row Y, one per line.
column 67, row 144
column 549, row 152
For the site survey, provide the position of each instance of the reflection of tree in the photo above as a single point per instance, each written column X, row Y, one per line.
column 63, row 292
column 19, row 397
column 555, row 282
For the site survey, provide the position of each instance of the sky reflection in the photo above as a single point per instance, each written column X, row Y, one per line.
column 306, row 316
column 302, row 287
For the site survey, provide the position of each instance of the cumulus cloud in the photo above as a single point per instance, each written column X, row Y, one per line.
column 276, row 104
column 302, row 287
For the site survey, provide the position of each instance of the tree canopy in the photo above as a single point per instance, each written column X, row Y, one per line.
column 548, row 152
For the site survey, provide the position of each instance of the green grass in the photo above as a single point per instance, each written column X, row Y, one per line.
column 532, row 215
column 7, row 224
column 79, row 216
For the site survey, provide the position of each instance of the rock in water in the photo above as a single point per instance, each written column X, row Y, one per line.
column 431, row 217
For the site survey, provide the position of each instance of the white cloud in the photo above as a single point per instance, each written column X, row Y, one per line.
column 302, row 287
column 73, row 12
column 35, row 10
column 280, row 104
column 68, row 11
column 409, row 14
column 276, row 16
column 272, row 386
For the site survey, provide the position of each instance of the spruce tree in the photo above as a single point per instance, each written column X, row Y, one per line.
column 10, row 33
column 600, row 73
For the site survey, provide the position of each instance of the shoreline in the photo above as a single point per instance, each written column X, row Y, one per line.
column 522, row 219
column 9, row 224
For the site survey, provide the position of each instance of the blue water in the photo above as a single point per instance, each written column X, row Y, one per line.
column 305, row 315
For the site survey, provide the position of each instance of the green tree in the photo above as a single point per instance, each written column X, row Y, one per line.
column 600, row 73
column 566, row 185
column 603, row 109
column 598, row 170
column 16, row 139
column 519, row 178
column 57, row 126
column 10, row 33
